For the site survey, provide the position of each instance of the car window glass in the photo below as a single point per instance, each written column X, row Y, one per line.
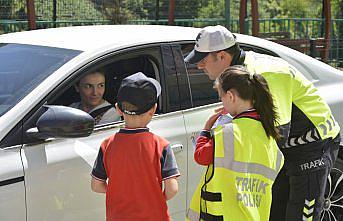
column 202, row 90
column 172, row 96
column 113, row 73
column 246, row 47
column 23, row 67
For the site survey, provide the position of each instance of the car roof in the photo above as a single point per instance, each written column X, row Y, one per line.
column 85, row 38
column 89, row 38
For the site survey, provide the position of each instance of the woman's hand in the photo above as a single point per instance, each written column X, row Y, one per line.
column 213, row 118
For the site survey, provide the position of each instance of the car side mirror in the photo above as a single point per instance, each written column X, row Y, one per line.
column 62, row 122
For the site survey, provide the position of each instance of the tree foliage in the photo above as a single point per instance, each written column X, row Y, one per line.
column 213, row 9
column 122, row 10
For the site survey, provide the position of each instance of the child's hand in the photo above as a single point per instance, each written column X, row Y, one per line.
column 213, row 118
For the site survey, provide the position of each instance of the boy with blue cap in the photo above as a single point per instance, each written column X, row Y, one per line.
column 133, row 163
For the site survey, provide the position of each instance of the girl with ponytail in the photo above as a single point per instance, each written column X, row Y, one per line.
column 243, row 94
column 242, row 156
column 253, row 90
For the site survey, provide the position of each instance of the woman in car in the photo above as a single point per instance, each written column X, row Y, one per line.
column 91, row 88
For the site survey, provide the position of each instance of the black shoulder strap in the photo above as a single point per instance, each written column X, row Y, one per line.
column 239, row 58
column 100, row 111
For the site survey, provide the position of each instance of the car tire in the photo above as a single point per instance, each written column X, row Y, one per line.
column 333, row 204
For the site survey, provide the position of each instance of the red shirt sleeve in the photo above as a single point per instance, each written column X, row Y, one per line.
column 203, row 154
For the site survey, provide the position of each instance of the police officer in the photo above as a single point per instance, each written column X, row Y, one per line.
column 310, row 133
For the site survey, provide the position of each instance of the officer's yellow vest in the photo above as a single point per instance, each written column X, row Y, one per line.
column 238, row 185
column 288, row 85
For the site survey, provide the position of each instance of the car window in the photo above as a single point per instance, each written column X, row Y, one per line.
column 246, row 47
column 201, row 86
column 172, row 80
column 23, row 67
column 114, row 69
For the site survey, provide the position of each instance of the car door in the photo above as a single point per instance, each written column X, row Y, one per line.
column 12, row 188
column 170, row 125
column 199, row 100
column 57, row 171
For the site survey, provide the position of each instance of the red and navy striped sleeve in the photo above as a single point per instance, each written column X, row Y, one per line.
column 99, row 171
column 169, row 167
column 203, row 154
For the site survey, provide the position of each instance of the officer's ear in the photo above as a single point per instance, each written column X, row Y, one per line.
column 221, row 55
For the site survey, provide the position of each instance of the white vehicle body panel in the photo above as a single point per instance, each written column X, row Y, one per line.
column 12, row 196
column 90, row 38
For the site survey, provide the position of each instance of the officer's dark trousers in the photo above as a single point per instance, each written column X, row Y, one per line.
column 298, row 191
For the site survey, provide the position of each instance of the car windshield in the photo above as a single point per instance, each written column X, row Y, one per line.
column 23, row 67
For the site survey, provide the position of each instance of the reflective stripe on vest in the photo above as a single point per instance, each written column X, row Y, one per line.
column 328, row 126
column 228, row 161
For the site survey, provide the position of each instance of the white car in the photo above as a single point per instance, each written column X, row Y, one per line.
column 47, row 149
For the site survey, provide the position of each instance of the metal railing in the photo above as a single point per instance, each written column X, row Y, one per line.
column 336, row 53
column 287, row 29
column 296, row 27
column 7, row 26
column 234, row 24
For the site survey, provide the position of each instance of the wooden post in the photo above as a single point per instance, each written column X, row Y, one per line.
column 31, row 14
column 227, row 14
column 254, row 15
column 171, row 12
column 157, row 10
column 327, row 15
column 242, row 16
column 54, row 12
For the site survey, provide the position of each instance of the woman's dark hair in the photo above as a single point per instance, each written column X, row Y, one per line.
column 255, row 88
column 99, row 71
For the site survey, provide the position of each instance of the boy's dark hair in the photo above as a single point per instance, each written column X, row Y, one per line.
column 255, row 88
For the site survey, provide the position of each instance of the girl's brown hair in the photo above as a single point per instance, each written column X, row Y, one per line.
column 252, row 87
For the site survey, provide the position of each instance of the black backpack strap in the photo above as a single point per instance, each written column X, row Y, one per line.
column 99, row 112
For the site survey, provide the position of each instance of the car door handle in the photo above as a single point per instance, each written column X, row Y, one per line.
column 177, row 148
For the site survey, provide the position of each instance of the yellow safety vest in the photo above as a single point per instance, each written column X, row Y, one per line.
column 238, row 185
column 288, row 86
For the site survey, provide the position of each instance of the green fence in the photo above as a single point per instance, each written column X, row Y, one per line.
column 299, row 27
column 295, row 27
column 7, row 26
column 336, row 53
column 273, row 29
column 234, row 24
